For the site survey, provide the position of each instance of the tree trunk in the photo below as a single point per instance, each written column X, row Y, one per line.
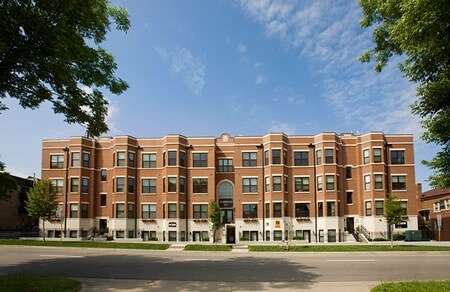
column 43, row 228
column 392, row 235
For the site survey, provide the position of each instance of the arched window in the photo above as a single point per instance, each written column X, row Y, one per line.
column 225, row 190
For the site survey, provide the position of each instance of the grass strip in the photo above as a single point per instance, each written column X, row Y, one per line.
column 205, row 247
column 94, row 244
column 413, row 286
column 19, row 283
column 345, row 248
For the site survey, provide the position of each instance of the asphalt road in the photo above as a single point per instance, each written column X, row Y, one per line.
column 299, row 269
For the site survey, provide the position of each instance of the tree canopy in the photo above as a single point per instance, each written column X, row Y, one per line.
column 7, row 183
column 419, row 30
column 214, row 217
column 50, row 51
column 41, row 201
column 393, row 212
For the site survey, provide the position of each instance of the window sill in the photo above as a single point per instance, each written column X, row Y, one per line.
column 201, row 220
column 149, row 220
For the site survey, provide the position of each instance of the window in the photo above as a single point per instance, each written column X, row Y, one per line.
column 379, row 210
column 164, row 158
column 266, row 157
column 149, row 160
column 366, row 156
column 320, row 209
column 120, row 158
column 74, row 183
column 73, row 210
column 378, row 181
column 131, row 159
column 276, row 156
column 120, row 210
column 86, row 159
column 285, row 155
column 376, row 155
column 367, row 182
column 182, row 184
column 200, row 211
column 102, row 200
column 328, row 156
column 200, row 159
column 276, row 209
column 131, row 185
column 349, row 196
column 250, row 211
column 225, row 165
column 148, row 211
column 200, row 185
column 57, row 161
column 399, row 182
column 120, row 234
column 250, row 185
column 172, row 184
column 348, row 172
column 397, row 156
column 149, row 185
column 285, row 185
column 267, row 184
column 277, row 235
column 319, row 183
column 172, row 158
column 103, row 175
column 84, row 210
column 120, row 184
column 276, row 183
column 249, row 159
column 75, row 159
column 331, row 209
column 302, row 209
column 301, row 158
column 330, row 182
column 302, row 184
column 267, row 207
column 58, row 185
column 172, row 236
column 319, row 157
column 172, row 210
column 85, row 185
column 164, row 184
column 404, row 205
column 182, row 211
column 182, row 158
column 368, row 208
column 331, row 235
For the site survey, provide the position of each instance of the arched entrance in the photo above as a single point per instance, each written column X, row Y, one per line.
column 225, row 194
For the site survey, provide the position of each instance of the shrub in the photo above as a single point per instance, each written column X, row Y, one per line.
column 153, row 239
column 399, row 236
column 379, row 239
column 297, row 238
column 243, row 238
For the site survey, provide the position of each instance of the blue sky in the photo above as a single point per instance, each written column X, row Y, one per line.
column 205, row 67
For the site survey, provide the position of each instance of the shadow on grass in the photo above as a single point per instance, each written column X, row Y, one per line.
column 177, row 273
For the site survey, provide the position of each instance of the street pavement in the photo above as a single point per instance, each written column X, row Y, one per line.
column 177, row 270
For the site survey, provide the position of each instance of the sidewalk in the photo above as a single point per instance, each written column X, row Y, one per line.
column 92, row 284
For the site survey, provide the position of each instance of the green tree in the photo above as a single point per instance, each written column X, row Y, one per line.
column 393, row 212
column 7, row 183
column 419, row 31
column 50, row 51
column 42, row 202
column 214, row 217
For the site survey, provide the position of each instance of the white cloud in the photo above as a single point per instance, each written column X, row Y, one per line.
column 260, row 79
column 257, row 64
column 282, row 127
column 241, row 48
column 185, row 64
column 296, row 100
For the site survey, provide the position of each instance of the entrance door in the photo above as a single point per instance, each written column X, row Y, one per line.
column 351, row 225
column 231, row 234
column 253, row 235
column 307, row 235
column 103, row 226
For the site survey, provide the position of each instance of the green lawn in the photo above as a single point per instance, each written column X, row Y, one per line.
column 205, row 247
column 413, row 286
column 97, row 244
column 19, row 283
column 346, row 248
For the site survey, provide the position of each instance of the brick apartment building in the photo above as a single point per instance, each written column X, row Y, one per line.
column 271, row 187
column 434, row 207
